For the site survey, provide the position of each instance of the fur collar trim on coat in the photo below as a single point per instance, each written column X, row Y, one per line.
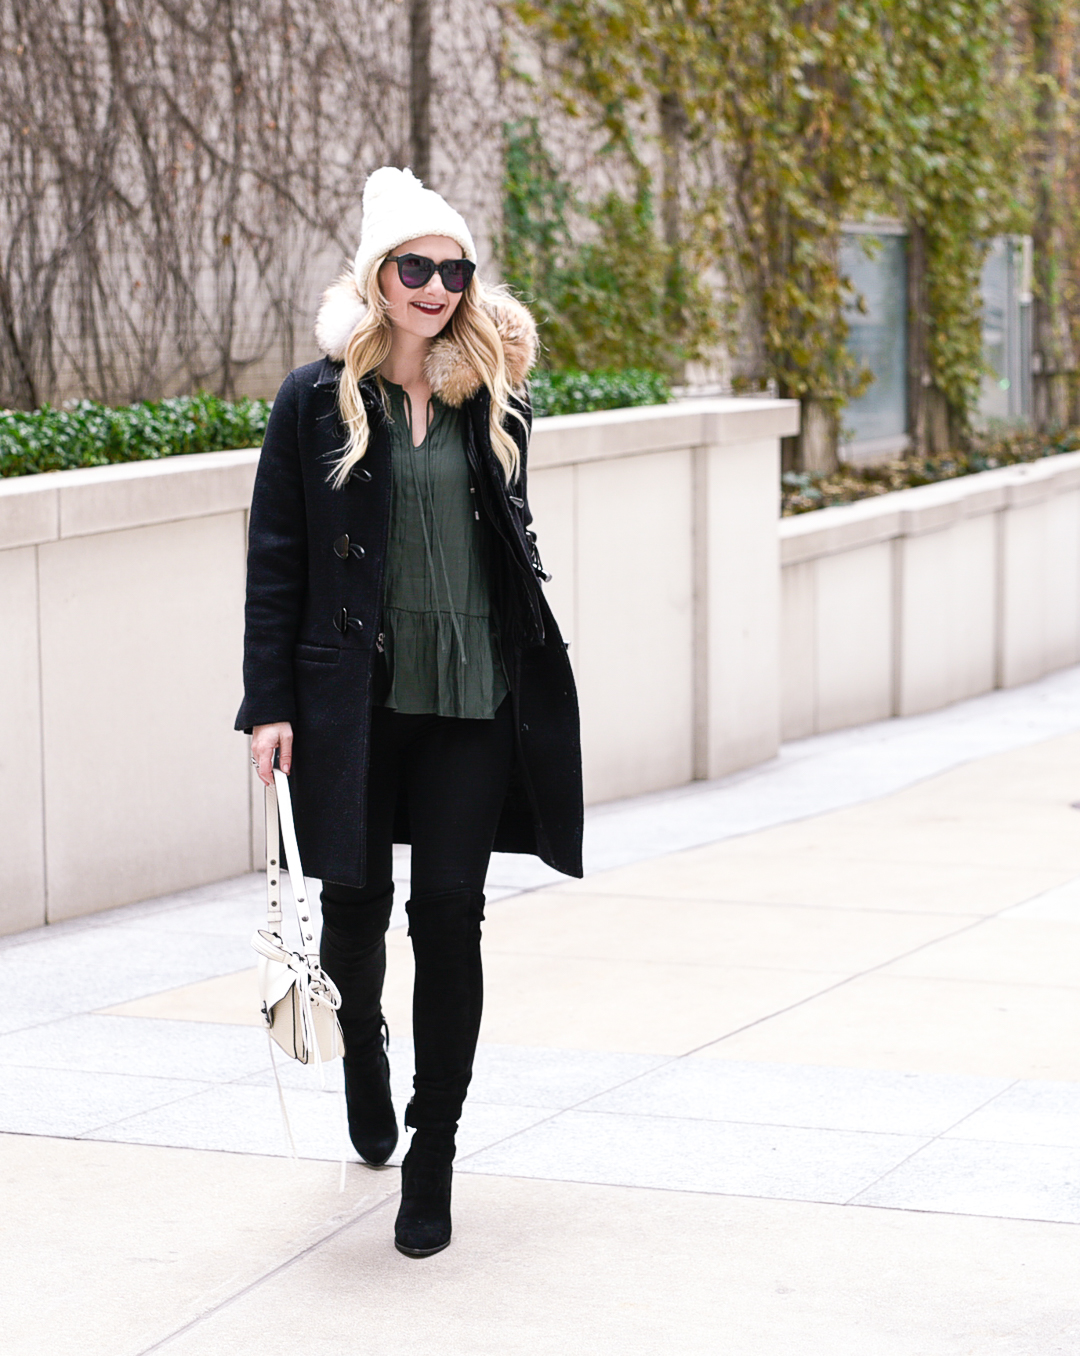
column 452, row 376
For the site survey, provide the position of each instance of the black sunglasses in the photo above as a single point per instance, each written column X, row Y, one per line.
column 414, row 271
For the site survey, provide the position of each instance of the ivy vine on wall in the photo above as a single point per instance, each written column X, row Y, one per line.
column 781, row 121
column 616, row 299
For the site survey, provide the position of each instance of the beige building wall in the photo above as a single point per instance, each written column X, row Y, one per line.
column 906, row 603
column 121, row 611
column 699, row 632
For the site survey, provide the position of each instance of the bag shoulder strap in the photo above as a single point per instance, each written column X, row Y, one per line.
column 273, row 866
column 279, row 804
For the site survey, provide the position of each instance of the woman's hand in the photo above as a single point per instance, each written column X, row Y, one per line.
column 264, row 740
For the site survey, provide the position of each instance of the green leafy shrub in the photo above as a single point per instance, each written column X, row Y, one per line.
column 577, row 392
column 804, row 491
column 87, row 434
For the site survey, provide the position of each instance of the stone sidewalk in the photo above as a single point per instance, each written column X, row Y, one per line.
column 794, row 1071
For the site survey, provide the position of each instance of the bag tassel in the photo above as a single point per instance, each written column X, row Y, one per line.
column 281, row 1098
column 293, row 983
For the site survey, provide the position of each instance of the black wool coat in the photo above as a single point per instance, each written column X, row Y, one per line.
column 316, row 557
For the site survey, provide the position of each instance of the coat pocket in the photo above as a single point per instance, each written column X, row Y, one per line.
column 317, row 654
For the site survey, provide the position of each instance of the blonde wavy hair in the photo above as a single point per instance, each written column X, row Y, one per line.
column 472, row 329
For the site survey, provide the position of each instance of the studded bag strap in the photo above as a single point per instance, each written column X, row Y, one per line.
column 283, row 810
column 273, row 865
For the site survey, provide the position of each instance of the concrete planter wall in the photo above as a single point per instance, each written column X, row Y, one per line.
column 121, row 600
column 906, row 603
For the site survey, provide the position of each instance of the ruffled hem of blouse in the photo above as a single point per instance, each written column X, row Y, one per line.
column 424, row 658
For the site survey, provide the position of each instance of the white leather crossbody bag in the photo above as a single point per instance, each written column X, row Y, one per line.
column 299, row 1001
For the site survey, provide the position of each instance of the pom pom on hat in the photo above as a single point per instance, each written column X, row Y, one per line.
column 397, row 208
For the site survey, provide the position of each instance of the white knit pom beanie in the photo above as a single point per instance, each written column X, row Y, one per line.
column 397, row 207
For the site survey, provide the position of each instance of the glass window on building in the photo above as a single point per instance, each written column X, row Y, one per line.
column 875, row 260
column 1006, row 294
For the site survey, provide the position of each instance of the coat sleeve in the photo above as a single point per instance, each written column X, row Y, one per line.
column 276, row 570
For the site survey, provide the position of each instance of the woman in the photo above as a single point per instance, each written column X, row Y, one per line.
column 400, row 659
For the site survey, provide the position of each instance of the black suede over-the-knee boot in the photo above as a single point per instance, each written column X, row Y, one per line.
column 353, row 954
column 448, row 999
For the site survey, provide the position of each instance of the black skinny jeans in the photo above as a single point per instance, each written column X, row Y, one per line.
column 453, row 774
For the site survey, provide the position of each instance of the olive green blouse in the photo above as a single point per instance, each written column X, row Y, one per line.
column 442, row 654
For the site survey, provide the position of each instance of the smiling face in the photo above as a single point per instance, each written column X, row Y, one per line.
column 421, row 311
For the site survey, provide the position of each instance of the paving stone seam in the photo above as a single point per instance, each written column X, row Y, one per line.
column 582, row 1105
column 769, row 903
column 795, row 1200
column 677, row 964
column 729, row 1195
column 106, row 918
column 306, row 1251
column 933, row 1140
column 172, row 1078
column 583, row 1110
column 188, row 1148
column 850, row 979
column 54, row 1020
column 956, row 1214
column 575, row 1106
column 160, row 1106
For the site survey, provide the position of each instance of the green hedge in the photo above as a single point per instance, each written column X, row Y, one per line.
column 87, row 434
column 805, row 491
column 577, row 392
